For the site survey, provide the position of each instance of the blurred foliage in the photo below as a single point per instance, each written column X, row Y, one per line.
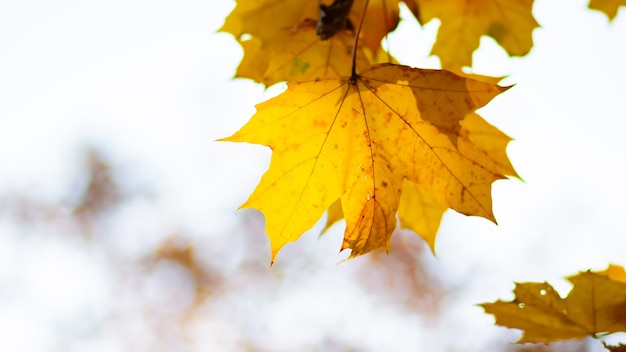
column 175, row 290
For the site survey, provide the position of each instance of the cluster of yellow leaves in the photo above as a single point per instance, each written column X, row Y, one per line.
column 278, row 36
column 371, row 142
column 596, row 305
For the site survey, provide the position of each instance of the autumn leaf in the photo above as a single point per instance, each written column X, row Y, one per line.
column 301, row 56
column 359, row 140
column 596, row 304
column 609, row 7
column 464, row 22
column 262, row 28
column 268, row 20
column 281, row 42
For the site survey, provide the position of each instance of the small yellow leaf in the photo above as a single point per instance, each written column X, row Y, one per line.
column 280, row 41
column 300, row 56
column 464, row 22
column 268, row 20
column 609, row 7
column 596, row 304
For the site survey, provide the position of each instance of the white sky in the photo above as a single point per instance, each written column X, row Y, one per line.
column 152, row 82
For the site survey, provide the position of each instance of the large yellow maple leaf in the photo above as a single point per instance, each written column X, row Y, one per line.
column 609, row 7
column 596, row 304
column 360, row 140
column 464, row 22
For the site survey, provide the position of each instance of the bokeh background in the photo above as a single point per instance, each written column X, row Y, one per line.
column 119, row 228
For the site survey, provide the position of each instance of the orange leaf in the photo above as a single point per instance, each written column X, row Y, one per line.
column 596, row 304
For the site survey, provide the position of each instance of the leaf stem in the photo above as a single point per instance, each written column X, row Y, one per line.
column 353, row 75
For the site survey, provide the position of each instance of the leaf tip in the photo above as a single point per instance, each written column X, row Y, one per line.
column 432, row 248
column 274, row 254
column 505, row 88
column 231, row 138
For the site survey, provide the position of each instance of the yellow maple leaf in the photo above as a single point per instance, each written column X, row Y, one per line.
column 358, row 140
column 596, row 304
column 281, row 44
column 300, row 56
column 609, row 7
column 464, row 22
column 268, row 20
